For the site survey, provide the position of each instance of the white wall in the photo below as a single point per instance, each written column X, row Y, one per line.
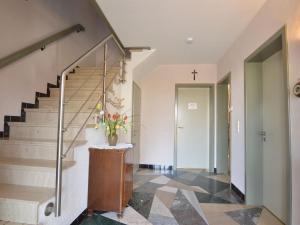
column 134, row 64
column 158, row 107
column 24, row 23
column 274, row 15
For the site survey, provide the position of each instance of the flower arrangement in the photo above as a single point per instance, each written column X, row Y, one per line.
column 111, row 122
column 115, row 122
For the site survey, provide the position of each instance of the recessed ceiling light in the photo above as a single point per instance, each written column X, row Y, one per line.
column 189, row 40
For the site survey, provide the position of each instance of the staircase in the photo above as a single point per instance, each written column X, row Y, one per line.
column 28, row 156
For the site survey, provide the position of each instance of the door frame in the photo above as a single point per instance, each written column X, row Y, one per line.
column 212, row 123
column 135, row 85
column 228, row 78
column 282, row 33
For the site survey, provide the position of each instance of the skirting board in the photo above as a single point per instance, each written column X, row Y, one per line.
column 80, row 218
column 155, row 167
column 237, row 191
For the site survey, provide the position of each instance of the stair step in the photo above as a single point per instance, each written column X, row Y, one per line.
column 37, row 131
column 32, row 149
column 54, row 101
column 55, row 110
column 73, row 106
column 95, row 69
column 52, row 117
column 30, row 172
column 54, row 92
column 19, row 204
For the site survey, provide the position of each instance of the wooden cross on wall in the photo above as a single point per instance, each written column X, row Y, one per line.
column 194, row 73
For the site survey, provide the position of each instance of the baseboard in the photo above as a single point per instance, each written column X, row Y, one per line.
column 237, row 191
column 155, row 167
column 25, row 105
column 80, row 218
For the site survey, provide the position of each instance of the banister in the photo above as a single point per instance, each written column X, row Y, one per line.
column 61, row 128
column 39, row 45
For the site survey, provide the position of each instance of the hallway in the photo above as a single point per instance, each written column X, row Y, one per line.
column 184, row 198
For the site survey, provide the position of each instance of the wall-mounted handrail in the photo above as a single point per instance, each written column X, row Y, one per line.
column 40, row 45
column 138, row 48
column 61, row 128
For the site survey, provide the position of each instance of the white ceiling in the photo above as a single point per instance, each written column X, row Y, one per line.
column 166, row 24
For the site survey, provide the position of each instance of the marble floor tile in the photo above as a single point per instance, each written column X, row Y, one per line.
column 142, row 202
column 184, row 212
column 130, row 217
column 166, row 197
column 177, row 176
column 268, row 218
column 217, row 218
column 168, row 189
column 222, row 208
column 210, row 185
column 197, row 189
column 188, row 176
column 148, row 187
column 246, row 216
column 229, row 196
column 179, row 185
column 223, row 178
column 99, row 219
column 139, row 180
column 162, row 220
column 209, row 198
column 159, row 208
column 184, row 197
column 191, row 197
column 160, row 180
column 149, row 172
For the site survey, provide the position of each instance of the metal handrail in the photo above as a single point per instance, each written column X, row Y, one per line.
column 87, row 119
column 39, row 45
column 61, row 130
column 86, row 100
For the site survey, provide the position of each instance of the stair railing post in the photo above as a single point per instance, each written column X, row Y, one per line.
column 60, row 137
column 123, row 64
column 104, row 78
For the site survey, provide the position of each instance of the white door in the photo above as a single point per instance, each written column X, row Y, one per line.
column 275, row 143
column 136, row 124
column 267, row 136
column 223, row 129
column 254, row 145
column 193, row 127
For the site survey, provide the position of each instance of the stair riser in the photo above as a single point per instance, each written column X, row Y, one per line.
column 73, row 101
column 42, row 132
column 88, row 107
column 85, row 79
column 82, row 84
column 76, row 93
column 42, row 117
column 19, row 211
column 95, row 78
column 31, row 151
column 95, row 71
column 37, row 177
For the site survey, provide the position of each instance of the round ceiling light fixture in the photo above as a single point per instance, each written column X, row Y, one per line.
column 189, row 40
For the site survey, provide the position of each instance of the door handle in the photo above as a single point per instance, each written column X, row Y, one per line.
column 263, row 134
column 180, row 127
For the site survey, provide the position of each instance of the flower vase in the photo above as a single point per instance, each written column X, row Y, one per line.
column 112, row 139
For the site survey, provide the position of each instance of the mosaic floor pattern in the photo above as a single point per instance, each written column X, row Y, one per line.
column 184, row 198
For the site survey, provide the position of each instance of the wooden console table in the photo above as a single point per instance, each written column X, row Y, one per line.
column 110, row 178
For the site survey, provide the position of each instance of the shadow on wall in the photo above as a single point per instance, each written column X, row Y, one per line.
column 26, row 22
